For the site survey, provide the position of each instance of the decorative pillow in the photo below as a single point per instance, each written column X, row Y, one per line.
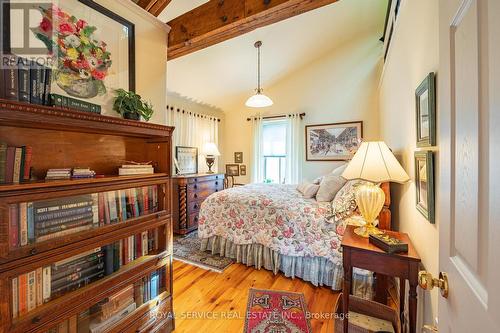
column 307, row 189
column 318, row 180
column 344, row 204
column 340, row 170
column 329, row 187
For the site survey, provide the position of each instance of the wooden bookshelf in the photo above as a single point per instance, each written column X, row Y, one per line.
column 63, row 139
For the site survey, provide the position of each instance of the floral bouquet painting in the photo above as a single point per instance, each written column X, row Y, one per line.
column 82, row 61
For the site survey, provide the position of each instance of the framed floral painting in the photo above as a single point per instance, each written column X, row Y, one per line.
column 93, row 50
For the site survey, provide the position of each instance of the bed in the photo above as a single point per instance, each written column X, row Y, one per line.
column 274, row 227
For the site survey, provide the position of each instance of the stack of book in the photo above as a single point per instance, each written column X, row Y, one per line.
column 32, row 289
column 24, row 80
column 111, row 310
column 53, row 174
column 15, row 163
column 82, row 173
column 135, row 169
column 33, row 222
column 150, row 286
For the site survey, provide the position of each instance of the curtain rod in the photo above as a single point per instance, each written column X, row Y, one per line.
column 301, row 115
column 199, row 115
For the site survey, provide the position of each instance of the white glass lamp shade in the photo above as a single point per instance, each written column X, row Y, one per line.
column 259, row 100
column 375, row 162
column 210, row 149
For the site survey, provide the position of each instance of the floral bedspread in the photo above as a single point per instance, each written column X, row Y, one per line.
column 276, row 216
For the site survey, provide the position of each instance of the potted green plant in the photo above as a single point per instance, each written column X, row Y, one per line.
column 130, row 105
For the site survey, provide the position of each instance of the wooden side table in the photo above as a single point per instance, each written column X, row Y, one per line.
column 358, row 252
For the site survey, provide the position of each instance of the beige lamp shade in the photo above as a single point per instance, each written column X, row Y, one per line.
column 210, row 149
column 375, row 162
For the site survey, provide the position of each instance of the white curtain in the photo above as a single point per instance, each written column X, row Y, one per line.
column 257, row 160
column 294, row 144
column 193, row 130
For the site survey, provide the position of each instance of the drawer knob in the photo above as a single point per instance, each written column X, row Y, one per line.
column 196, row 179
column 195, row 186
column 33, row 251
column 195, row 206
column 216, row 183
column 196, row 195
column 36, row 320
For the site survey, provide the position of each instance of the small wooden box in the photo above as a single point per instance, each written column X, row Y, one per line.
column 368, row 308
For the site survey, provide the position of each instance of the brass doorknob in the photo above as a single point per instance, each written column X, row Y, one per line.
column 427, row 282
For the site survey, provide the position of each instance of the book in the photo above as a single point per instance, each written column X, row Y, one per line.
column 75, row 257
column 109, row 258
column 15, row 300
column 46, row 292
column 28, row 152
column 76, row 222
column 14, row 225
column 23, row 223
column 36, row 87
column 46, row 206
column 77, row 266
column 9, row 164
column 46, row 86
column 39, row 286
column 63, row 233
column 23, row 293
column 131, row 172
column 75, row 276
column 31, row 290
column 11, row 79
column 388, row 244
column 136, row 166
column 17, row 165
column 95, row 209
column 73, row 103
column 3, row 161
column 49, row 217
column 30, row 222
column 24, row 80
column 111, row 201
column 73, row 324
column 77, row 284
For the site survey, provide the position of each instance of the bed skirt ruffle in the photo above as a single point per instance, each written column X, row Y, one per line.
column 317, row 270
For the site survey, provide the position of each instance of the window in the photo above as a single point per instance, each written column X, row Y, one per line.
column 274, row 150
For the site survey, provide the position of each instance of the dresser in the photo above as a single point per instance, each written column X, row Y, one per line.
column 189, row 191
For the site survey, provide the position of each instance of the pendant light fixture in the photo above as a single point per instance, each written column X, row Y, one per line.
column 259, row 100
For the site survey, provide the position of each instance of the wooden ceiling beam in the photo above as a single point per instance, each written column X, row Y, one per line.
column 220, row 20
column 155, row 7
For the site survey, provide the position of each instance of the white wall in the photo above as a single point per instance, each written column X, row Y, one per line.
column 150, row 55
column 338, row 87
column 412, row 55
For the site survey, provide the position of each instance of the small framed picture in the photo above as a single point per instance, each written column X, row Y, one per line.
column 424, row 183
column 425, row 98
column 238, row 157
column 232, row 170
column 187, row 160
column 333, row 142
column 243, row 170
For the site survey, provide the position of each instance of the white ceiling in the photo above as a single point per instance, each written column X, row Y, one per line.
column 177, row 8
column 220, row 74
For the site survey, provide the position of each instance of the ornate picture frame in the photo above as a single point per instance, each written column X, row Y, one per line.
column 233, row 170
column 333, row 142
column 424, row 184
column 425, row 110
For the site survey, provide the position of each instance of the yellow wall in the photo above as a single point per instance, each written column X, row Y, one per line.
column 150, row 55
column 412, row 55
column 341, row 86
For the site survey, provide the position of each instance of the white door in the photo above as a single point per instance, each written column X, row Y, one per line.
column 469, row 172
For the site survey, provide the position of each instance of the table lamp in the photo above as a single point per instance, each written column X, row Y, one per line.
column 210, row 151
column 375, row 163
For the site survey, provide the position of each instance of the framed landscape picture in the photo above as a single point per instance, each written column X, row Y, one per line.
column 425, row 98
column 333, row 142
column 187, row 159
column 424, row 183
column 233, row 170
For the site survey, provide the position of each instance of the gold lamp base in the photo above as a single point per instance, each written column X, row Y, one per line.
column 370, row 199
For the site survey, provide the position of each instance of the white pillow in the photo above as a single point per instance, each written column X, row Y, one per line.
column 329, row 187
column 340, row 170
column 307, row 189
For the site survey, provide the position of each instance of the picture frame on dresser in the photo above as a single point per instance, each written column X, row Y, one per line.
column 424, row 184
column 425, row 111
column 186, row 160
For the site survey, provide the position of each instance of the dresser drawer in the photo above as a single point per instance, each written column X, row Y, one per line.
column 192, row 222
column 206, row 185
column 204, row 178
column 194, row 206
column 202, row 194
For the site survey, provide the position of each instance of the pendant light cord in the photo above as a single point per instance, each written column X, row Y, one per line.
column 258, row 44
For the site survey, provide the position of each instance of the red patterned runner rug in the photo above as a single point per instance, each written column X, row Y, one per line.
column 272, row 311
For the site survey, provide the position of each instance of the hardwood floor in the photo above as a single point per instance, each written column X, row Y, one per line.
column 210, row 302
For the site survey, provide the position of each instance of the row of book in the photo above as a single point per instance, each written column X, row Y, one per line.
column 15, row 163
column 34, row 222
column 68, row 173
column 44, row 284
column 27, row 81
column 104, row 314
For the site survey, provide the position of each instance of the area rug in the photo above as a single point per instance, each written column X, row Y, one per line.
column 277, row 312
column 187, row 249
